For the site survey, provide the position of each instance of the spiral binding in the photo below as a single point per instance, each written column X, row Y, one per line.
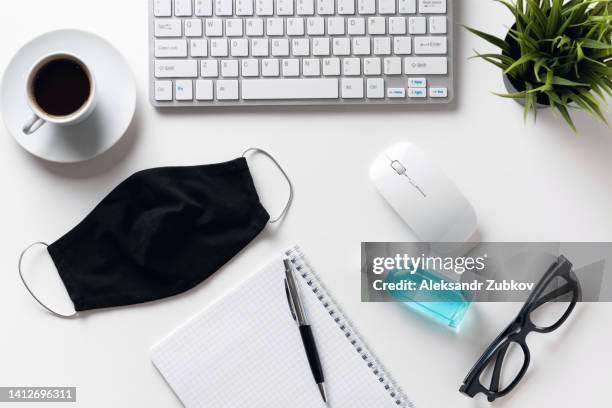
column 297, row 258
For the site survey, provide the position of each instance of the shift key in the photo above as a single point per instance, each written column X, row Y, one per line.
column 426, row 65
column 176, row 68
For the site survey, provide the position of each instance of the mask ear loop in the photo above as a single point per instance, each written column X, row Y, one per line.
column 290, row 199
column 30, row 290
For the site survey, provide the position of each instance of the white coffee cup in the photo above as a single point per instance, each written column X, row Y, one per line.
column 64, row 72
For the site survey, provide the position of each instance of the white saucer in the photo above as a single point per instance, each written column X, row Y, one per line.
column 116, row 93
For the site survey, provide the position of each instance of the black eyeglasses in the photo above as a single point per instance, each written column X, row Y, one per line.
column 559, row 285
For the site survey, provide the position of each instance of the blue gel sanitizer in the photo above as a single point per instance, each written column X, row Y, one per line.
column 444, row 306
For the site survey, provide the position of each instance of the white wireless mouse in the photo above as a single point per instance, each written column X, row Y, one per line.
column 423, row 195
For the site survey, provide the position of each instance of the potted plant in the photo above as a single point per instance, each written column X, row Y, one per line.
column 557, row 54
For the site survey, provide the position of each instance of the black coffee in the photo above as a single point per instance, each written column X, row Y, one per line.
column 61, row 87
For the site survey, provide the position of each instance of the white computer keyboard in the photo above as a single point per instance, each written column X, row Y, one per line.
column 278, row 52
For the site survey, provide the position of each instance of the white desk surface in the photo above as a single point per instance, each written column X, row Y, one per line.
column 527, row 182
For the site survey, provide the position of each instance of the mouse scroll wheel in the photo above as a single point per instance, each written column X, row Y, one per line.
column 398, row 167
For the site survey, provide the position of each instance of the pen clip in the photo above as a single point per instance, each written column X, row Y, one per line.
column 290, row 301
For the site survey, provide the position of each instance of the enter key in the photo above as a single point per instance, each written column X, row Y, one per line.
column 430, row 45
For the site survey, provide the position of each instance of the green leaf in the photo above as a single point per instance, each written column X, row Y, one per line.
column 563, row 110
column 490, row 38
column 554, row 18
column 566, row 82
column 590, row 43
column 579, row 52
column 530, row 101
column 512, row 95
column 521, row 61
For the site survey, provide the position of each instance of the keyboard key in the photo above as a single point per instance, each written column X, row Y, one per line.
column 214, row 27
column 264, row 7
column 375, row 88
column 204, row 90
column 162, row 8
column 170, row 48
column 311, row 67
column 227, row 90
column 311, row 88
column 366, row 6
column 254, row 27
column 325, row 7
column 417, row 25
column 295, row 26
column 284, row 7
column 259, row 47
column 386, row 6
column 300, row 47
column 432, row 6
column 437, row 25
column 335, row 26
column 218, row 47
column 280, row 47
column 249, row 67
column 198, row 48
column 438, row 92
column 233, row 27
column 351, row 66
column 417, row 82
column 274, row 26
column 305, row 7
column 331, row 66
column 371, row 66
column 269, row 67
column 183, row 89
column 168, row 28
column 346, row 7
column 229, row 68
column 209, row 69
column 425, row 65
column 342, row 46
column 361, row 45
column 356, row 26
column 182, row 8
column 417, row 92
column 407, row 6
column 396, row 92
column 320, row 46
column 376, row 25
column 402, row 45
column 176, row 69
column 315, row 26
column 291, row 67
column 203, row 8
column 382, row 45
column 239, row 47
column 193, row 27
column 392, row 66
column 223, row 7
column 163, row 90
column 244, row 7
column 352, row 88
column 397, row 25
column 430, row 45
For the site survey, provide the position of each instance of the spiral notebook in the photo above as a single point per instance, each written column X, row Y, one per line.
column 245, row 350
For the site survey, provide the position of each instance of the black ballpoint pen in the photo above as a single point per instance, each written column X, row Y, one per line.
column 299, row 315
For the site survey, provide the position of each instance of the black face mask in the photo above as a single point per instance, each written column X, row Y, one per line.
column 160, row 232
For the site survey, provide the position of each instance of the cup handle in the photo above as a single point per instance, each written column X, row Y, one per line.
column 33, row 125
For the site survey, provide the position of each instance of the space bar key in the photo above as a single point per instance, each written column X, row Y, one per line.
column 319, row 88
